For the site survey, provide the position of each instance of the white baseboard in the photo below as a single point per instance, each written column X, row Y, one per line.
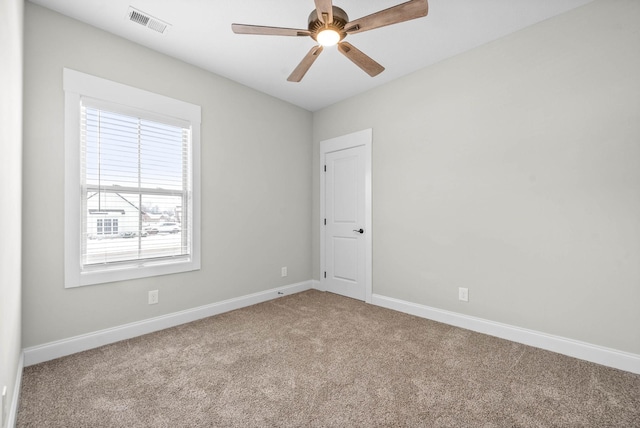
column 13, row 411
column 49, row 351
column 573, row 348
column 317, row 285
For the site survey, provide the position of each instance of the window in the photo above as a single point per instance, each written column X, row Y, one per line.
column 107, row 226
column 131, row 182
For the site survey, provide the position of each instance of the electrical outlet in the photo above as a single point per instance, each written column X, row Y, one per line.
column 3, row 406
column 153, row 297
column 284, row 271
column 463, row 294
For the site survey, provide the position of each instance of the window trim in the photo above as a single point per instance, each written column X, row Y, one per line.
column 77, row 85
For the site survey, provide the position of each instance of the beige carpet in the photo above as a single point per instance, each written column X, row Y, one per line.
column 317, row 359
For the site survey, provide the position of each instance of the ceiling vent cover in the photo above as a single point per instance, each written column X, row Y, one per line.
column 147, row 20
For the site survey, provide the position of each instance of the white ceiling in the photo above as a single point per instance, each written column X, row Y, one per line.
column 200, row 34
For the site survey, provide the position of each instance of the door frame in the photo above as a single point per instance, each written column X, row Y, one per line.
column 355, row 139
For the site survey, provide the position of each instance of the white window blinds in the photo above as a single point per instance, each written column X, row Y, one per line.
column 136, row 193
column 132, row 182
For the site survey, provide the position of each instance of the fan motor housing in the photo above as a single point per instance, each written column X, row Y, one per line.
column 340, row 19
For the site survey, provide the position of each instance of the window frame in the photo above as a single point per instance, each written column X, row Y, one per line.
column 77, row 86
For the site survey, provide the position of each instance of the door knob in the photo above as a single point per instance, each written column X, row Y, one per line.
column 359, row 230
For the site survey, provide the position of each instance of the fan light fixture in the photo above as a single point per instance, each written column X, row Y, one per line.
column 329, row 25
column 328, row 37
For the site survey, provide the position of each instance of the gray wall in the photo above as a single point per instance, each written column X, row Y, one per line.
column 256, row 184
column 513, row 170
column 11, row 25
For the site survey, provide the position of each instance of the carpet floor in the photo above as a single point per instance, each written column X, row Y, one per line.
column 316, row 359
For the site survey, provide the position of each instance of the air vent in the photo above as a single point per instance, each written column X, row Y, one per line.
column 147, row 20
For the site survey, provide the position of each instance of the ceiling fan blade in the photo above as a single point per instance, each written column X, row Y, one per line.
column 324, row 7
column 305, row 64
column 268, row 31
column 360, row 59
column 403, row 12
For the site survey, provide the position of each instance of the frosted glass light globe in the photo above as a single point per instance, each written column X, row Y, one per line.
column 328, row 37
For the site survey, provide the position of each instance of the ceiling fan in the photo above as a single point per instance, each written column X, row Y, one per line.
column 329, row 25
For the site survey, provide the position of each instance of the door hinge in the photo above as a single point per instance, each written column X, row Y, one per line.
column 325, row 221
column 325, row 168
column 325, row 273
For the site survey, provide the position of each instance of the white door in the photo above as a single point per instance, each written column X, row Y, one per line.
column 347, row 215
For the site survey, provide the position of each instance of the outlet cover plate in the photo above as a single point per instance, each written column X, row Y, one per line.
column 3, row 405
column 153, row 297
column 463, row 294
